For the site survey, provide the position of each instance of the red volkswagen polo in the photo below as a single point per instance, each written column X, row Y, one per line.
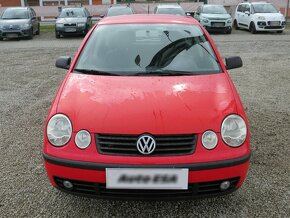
column 147, row 110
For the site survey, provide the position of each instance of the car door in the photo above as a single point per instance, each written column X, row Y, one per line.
column 242, row 16
column 247, row 17
column 33, row 20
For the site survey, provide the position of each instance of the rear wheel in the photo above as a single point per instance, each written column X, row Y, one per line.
column 38, row 30
column 253, row 28
column 280, row 31
column 236, row 25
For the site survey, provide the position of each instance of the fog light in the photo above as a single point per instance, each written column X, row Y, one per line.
column 67, row 184
column 225, row 185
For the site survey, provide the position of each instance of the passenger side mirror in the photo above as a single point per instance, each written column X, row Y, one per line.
column 233, row 62
column 90, row 17
column 247, row 13
column 63, row 62
column 102, row 16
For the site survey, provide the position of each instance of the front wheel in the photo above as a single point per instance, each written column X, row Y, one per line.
column 30, row 35
column 57, row 35
column 253, row 28
column 236, row 25
column 38, row 30
column 229, row 31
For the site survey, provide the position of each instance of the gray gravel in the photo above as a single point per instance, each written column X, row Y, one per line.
column 29, row 82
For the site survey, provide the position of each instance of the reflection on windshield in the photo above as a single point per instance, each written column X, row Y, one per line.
column 72, row 13
column 15, row 14
column 264, row 8
column 119, row 11
column 156, row 48
column 176, row 11
column 214, row 9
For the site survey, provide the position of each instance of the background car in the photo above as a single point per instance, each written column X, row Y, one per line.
column 214, row 18
column 18, row 23
column 73, row 21
column 115, row 10
column 186, row 133
column 169, row 9
column 259, row 16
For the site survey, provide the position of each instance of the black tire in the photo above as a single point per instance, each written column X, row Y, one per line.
column 253, row 28
column 30, row 36
column 1, row 39
column 38, row 30
column 236, row 25
column 229, row 31
column 280, row 31
column 57, row 35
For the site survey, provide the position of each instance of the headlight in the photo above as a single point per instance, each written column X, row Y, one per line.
column 59, row 130
column 229, row 21
column 25, row 25
column 234, row 130
column 83, row 139
column 59, row 24
column 261, row 18
column 209, row 139
column 205, row 20
column 81, row 24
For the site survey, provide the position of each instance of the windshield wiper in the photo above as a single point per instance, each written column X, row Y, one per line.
column 161, row 72
column 95, row 72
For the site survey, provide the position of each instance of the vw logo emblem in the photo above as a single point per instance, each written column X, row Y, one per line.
column 146, row 144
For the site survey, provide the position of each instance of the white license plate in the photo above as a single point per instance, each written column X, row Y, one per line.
column 69, row 30
column 139, row 178
column 12, row 35
column 218, row 24
column 274, row 23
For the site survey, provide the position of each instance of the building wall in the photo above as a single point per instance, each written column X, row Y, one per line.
column 7, row 3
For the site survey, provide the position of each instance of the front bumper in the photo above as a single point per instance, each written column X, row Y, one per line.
column 69, row 30
column 14, row 33
column 266, row 26
column 203, row 178
column 217, row 25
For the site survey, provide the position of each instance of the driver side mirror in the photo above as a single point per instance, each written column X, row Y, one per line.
column 63, row 62
column 233, row 62
column 247, row 13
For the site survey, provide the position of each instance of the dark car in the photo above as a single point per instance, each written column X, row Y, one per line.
column 115, row 10
column 77, row 21
column 19, row 22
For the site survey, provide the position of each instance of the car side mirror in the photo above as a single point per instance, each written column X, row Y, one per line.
column 247, row 13
column 102, row 16
column 233, row 62
column 55, row 17
column 90, row 17
column 63, row 62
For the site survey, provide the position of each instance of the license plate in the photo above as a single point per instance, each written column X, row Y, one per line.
column 218, row 24
column 274, row 23
column 136, row 178
column 12, row 35
column 69, row 30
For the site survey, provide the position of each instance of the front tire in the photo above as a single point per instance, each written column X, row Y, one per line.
column 253, row 28
column 229, row 31
column 57, row 35
column 30, row 35
column 38, row 30
column 236, row 25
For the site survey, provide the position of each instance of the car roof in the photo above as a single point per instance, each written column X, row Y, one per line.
column 212, row 5
column 148, row 18
column 17, row 8
column 169, row 6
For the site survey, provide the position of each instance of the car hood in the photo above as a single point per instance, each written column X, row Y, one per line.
column 72, row 20
column 14, row 21
column 157, row 105
column 216, row 16
column 271, row 16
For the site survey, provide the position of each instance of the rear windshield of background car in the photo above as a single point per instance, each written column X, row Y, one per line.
column 214, row 9
column 115, row 11
column 264, row 8
column 76, row 12
column 133, row 48
column 176, row 11
column 15, row 13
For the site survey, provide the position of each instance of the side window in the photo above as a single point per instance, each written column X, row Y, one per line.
column 30, row 13
column 155, row 10
column 33, row 12
column 246, row 8
column 239, row 8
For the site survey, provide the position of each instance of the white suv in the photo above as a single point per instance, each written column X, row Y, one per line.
column 259, row 16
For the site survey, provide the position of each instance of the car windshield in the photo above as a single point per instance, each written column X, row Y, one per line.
column 176, row 11
column 214, row 9
column 15, row 13
column 115, row 11
column 264, row 8
column 72, row 12
column 135, row 49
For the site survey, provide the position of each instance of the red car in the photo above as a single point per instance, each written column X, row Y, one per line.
column 147, row 110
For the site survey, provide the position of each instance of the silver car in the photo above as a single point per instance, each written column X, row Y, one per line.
column 73, row 21
column 214, row 18
column 19, row 22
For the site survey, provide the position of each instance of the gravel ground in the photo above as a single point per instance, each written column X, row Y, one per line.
column 29, row 82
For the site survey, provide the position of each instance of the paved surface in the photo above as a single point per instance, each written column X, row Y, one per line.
column 29, row 82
